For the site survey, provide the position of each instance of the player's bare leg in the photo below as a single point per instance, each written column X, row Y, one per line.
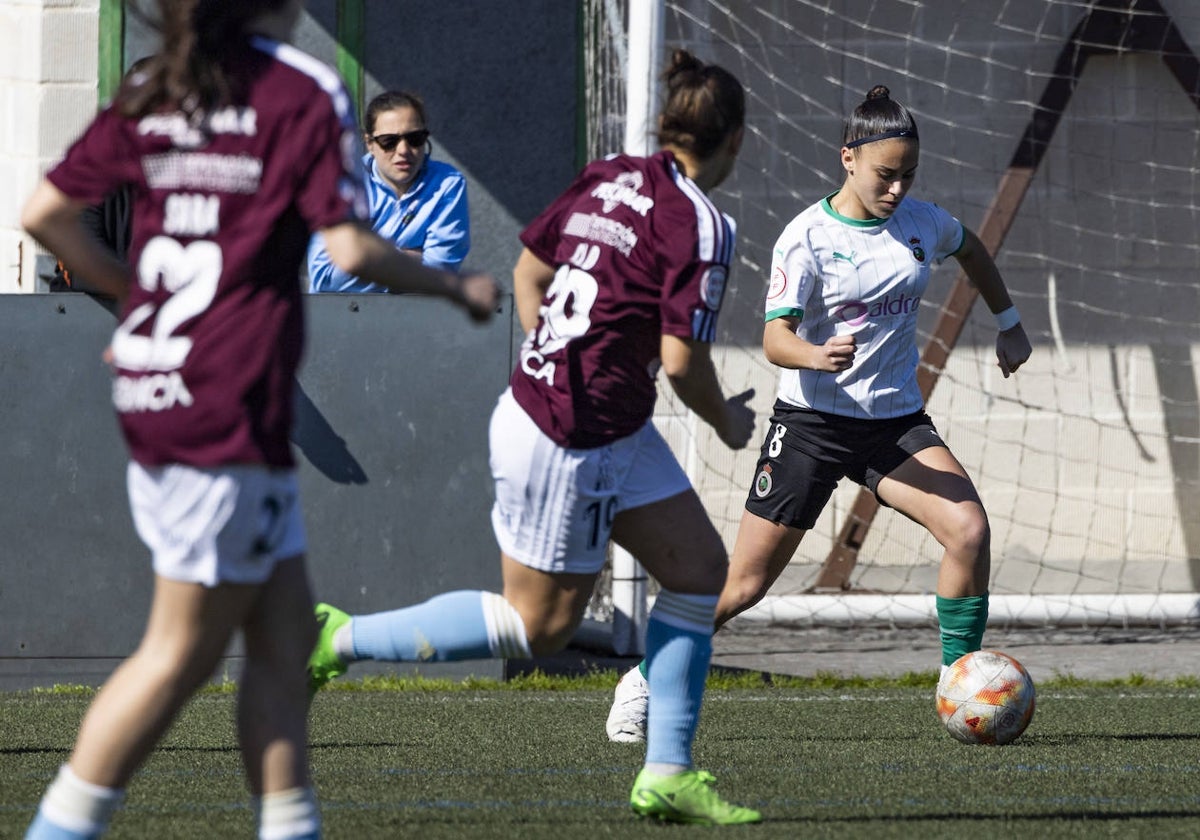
column 188, row 630
column 551, row 605
column 272, row 702
column 761, row 552
column 933, row 489
column 675, row 541
column 626, row 722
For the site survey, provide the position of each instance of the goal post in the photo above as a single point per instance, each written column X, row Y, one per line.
column 1067, row 134
column 643, row 58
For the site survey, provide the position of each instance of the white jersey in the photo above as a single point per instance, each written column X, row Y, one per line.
column 844, row 276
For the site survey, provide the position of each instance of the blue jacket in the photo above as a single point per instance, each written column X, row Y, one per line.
column 431, row 216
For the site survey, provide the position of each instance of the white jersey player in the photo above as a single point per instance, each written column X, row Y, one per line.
column 837, row 276
column 841, row 313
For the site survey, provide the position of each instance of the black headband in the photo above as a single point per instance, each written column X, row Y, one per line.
column 883, row 135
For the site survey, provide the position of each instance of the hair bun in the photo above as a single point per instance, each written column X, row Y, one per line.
column 878, row 92
column 683, row 65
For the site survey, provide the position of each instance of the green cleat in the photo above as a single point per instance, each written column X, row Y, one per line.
column 324, row 664
column 686, row 797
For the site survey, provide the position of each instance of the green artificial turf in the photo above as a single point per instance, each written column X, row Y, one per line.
column 820, row 757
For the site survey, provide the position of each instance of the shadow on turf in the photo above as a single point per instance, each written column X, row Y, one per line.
column 577, row 661
column 959, row 816
column 1128, row 736
column 341, row 745
column 34, row 750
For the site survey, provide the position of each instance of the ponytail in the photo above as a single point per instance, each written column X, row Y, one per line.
column 705, row 104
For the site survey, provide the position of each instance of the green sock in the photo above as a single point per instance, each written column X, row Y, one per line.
column 961, row 621
column 642, row 666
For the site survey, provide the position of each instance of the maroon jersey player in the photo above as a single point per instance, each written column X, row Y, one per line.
column 235, row 147
column 621, row 276
column 641, row 253
column 211, row 332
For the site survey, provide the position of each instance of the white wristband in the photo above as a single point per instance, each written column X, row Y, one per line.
column 1007, row 319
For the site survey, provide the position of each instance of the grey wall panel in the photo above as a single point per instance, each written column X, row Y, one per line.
column 75, row 580
column 394, row 403
column 391, row 436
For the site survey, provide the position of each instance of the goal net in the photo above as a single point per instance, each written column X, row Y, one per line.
column 1067, row 134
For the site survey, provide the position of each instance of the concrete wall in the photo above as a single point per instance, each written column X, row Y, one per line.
column 395, row 480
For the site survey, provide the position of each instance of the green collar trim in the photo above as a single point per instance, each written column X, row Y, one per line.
column 827, row 206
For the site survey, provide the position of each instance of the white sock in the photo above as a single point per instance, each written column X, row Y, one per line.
column 666, row 769
column 505, row 628
column 76, row 805
column 288, row 815
column 343, row 642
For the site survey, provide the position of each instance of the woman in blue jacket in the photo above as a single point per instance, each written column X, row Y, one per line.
column 417, row 203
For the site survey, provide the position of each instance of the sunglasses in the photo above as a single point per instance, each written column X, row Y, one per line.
column 388, row 142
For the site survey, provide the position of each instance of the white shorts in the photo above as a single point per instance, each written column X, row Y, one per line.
column 554, row 507
column 211, row 526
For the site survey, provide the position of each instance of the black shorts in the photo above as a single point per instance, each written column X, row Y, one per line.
column 807, row 452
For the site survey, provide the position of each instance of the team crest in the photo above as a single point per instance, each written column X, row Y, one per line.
column 917, row 251
column 763, row 482
column 712, row 286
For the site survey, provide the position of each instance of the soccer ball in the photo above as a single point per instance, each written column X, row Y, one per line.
column 985, row 697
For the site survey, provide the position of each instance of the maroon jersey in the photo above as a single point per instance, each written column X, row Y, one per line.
column 209, row 341
column 641, row 253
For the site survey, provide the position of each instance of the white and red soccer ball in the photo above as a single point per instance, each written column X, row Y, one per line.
column 985, row 697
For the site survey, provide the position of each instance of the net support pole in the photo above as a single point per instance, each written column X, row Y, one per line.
column 629, row 591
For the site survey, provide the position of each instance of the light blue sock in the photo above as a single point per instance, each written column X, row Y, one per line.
column 73, row 809
column 467, row 624
column 678, row 650
column 42, row 829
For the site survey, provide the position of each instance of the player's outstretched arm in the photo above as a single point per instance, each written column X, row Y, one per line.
column 360, row 252
column 54, row 220
column 1012, row 344
column 689, row 368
